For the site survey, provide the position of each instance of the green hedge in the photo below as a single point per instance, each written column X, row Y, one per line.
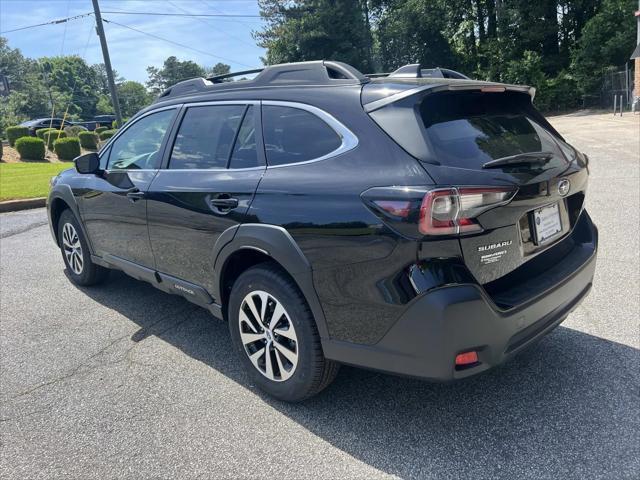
column 30, row 148
column 52, row 136
column 14, row 133
column 41, row 131
column 67, row 148
column 99, row 130
column 107, row 134
column 88, row 140
column 74, row 130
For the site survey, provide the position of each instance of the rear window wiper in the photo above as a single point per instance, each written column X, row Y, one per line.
column 520, row 158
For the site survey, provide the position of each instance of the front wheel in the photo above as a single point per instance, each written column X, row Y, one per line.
column 75, row 252
column 276, row 336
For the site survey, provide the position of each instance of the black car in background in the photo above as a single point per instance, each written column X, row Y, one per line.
column 98, row 121
column 419, row 223
column 39, row 123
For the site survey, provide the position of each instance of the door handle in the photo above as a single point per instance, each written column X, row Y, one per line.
column 135, row 194
column 224, row 202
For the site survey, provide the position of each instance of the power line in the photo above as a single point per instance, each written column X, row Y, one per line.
column 206, row 22
column 52, row 22
column 170, row 14
column 176, row 43
column 239, row 22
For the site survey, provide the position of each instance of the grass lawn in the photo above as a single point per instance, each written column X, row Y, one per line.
column 28, row 180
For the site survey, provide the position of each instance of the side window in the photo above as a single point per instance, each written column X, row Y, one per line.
column 292, row 135
column 245, row 153
column 138, row 146
column 206, row 136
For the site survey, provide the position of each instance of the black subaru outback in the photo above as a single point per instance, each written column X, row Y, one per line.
column 420, row 223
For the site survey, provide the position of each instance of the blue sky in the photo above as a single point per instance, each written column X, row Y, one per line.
column 226, row 40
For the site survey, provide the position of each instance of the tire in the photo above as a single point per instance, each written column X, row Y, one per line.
column 75, row 253
column 295, row 331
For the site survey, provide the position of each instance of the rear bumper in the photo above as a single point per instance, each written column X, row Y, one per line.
column 450, row 320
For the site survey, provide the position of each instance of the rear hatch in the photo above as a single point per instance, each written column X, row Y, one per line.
column 513, row 186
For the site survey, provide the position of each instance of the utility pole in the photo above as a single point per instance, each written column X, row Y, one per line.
column 107, row 62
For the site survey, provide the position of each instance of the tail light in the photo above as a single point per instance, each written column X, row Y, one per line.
column 451, row 211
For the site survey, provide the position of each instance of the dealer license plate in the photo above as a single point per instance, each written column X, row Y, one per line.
column 547, row 224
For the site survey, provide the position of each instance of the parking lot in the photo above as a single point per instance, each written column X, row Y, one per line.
column 125, row 381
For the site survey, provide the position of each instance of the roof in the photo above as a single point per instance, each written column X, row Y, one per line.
column 636, row 52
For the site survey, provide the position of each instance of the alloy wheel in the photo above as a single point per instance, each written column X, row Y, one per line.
column 268, row 336
column 72, row 248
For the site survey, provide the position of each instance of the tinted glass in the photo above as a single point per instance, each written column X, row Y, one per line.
column 469, row 129
column 138, row 147
column 292, row 135
column 206, row 137
column 245, row 153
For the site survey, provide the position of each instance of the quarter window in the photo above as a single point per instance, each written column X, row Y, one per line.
column 138, row 147
column 206, row 137
column 292, row 135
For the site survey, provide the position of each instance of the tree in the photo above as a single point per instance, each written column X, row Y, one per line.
column 101, row 76
column 607, row 40
column 172, row 72
column 133, row 97
column 412, row 32
column 75, row 82
column 220, row 69
column 29, row 95
column 315, row 30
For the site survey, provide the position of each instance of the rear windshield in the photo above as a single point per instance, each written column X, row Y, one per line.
column 468, row 129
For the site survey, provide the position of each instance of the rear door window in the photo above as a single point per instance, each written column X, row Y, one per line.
column 293, row 135
column 206, row 137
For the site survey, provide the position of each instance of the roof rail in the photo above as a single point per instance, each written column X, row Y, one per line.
column 224, row 76
column 319, row 72
column 414, row 70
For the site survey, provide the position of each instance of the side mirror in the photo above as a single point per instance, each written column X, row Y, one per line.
column 88, row 163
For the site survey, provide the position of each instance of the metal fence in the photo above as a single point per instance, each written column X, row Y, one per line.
column 617, row 84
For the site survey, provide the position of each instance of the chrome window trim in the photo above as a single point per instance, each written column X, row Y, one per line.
column 208, row 169
column 348, row 139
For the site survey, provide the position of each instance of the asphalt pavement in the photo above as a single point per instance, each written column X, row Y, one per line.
column 124, row 381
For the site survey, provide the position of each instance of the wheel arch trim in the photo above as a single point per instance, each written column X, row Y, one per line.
column 278, row 244
column 63, row 193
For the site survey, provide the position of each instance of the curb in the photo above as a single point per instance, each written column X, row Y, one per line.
column 25, row 204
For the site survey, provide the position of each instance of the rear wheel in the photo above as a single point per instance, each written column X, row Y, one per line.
column 276, row 335
column 75, row 252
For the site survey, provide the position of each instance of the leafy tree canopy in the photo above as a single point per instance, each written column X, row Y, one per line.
column 172, row 72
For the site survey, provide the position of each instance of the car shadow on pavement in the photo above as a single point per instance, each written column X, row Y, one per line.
column 566, row 408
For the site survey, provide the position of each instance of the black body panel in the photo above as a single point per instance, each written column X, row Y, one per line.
column 183, row 223
column 116, row 223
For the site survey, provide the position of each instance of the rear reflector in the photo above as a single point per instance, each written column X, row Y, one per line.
column 466, row 358
column 397, row 208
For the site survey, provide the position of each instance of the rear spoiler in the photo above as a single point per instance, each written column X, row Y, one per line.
column 442, row 87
